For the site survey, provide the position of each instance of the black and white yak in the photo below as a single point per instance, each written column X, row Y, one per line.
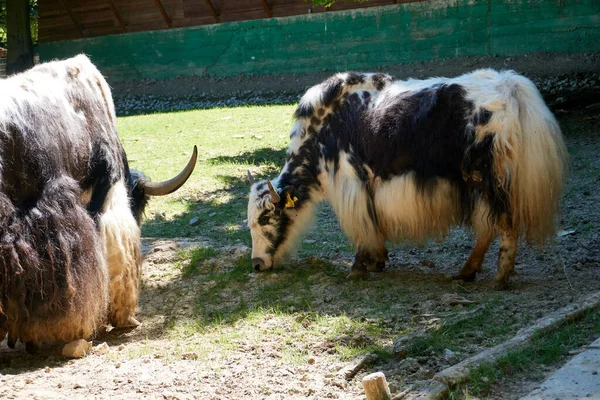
column 70, row 208
column 408, row 160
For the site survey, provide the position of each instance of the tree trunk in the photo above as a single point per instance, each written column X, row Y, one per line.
column 19, row 55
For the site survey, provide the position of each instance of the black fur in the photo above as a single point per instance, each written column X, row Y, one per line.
column 331, row 89
column 429, row 132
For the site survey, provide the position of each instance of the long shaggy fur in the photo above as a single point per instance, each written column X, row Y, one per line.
column 407, row 160
column 69, row 242
column 52, row 267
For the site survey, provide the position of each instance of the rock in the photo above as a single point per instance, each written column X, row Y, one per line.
column 121, row 347
column 77, row 348
column 101, row 349
column 159, row 215
column 194, row 221
column 409, row 364
column 311, row 360
column 450, row 356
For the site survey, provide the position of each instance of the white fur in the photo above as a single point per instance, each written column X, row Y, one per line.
column 120, row 236
column 530, row 156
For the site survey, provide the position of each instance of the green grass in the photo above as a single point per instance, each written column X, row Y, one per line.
column 545, row 349
column 230, row 141
column 305, row 308
column 482, row 325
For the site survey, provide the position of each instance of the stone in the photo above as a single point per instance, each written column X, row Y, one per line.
column 77, row 348
column 102, row 349
column 194, row 221
column 449, row 356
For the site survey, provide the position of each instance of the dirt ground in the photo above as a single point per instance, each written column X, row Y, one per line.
column 152, row 362
column 535, row 66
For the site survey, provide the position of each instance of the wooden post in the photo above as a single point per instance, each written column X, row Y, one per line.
column 19, row 56
column 376, row 387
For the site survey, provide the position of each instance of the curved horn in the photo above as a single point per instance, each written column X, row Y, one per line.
column 251, row 178
column 274, row 195
column 166, row 187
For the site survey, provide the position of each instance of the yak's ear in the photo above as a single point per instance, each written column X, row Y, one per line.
column 289, row 200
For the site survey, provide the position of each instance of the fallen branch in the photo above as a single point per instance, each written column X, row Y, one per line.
column 458, row 373
column 357, row 364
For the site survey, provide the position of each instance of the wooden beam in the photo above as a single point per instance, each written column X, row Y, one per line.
column 163, row 12
column 267, row 8
column 117, row 15
column 68, row 9
column 212, row 10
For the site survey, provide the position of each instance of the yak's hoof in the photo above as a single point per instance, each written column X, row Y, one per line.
column 501, row 283
column 358, row 271
column 11, row 342
column 377, row 267
column 31, row 347
column 466, row 278
column 130, row 324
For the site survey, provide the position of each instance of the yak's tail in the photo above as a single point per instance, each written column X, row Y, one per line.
column 531, row 157
column 53, row 278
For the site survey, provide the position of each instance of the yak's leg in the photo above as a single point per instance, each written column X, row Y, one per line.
column 508, row 251
column 32, row 347
column 121, row 237
column 13, row 336
column 473, row 264
column 369, row 260
column 378, row 259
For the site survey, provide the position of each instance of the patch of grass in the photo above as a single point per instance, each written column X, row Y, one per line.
column 545, row 349
column 482, row 325
column 230, row 141
column 195, row 256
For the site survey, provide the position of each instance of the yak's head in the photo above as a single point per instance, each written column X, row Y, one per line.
column 276, row 219
column 142, row 188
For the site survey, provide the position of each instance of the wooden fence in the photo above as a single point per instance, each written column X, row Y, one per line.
column 74, row 19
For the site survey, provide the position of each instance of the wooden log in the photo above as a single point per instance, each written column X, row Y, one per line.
column 376, row 387
column 458, row 373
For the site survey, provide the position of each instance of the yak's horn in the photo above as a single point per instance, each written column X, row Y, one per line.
column 166, row 187
column 274, row 196
column 250, row 177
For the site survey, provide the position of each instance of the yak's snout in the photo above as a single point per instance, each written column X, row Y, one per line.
column 258, row 264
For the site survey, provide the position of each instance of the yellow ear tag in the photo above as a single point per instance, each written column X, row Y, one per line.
column 289, row 202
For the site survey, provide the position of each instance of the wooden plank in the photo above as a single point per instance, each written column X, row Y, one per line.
column 163, row 12
column 212, row 10
column 66, row 7
column 117, row 15
column 267, row 8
